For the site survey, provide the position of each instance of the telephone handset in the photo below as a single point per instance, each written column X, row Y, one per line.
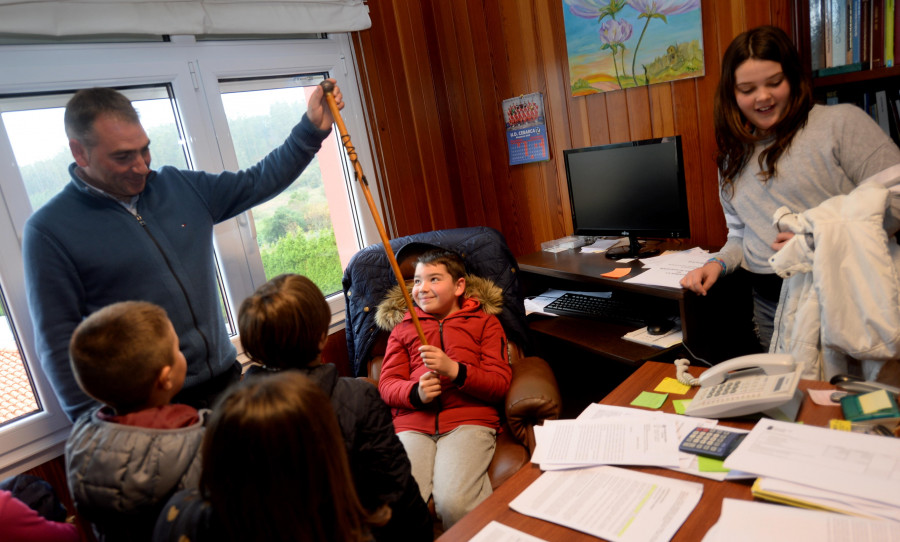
column 746, row 385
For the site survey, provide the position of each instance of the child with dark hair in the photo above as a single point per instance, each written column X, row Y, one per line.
column 127, row 457
column 444, row 395
column 293, row 481
column 284, row 326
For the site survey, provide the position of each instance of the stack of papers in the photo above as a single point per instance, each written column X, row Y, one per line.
column 814, row 467
column 602, row 245
column 614, row 435
column 582, row 490
column 668, row 269
column 790, row 493
column 753, row 521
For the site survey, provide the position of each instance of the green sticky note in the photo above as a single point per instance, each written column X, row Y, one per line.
column 680, row 405
column 710, row 464
column 649, row 399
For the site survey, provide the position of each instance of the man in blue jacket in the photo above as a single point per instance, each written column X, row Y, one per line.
column 120, row 231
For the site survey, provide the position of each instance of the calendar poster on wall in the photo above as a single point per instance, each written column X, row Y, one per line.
column 526, row 133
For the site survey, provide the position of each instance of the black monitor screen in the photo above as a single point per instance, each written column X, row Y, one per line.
column 633, row 189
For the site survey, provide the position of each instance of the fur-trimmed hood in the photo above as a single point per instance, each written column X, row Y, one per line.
column 392, row 308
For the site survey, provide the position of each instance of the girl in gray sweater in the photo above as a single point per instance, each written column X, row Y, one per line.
column 776, row 148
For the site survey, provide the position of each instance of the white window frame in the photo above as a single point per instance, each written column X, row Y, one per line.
column 193, row 69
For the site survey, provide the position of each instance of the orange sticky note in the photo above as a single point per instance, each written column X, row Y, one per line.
column 618, row 272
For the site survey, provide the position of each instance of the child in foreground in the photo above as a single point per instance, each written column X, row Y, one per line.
column 125, row 459
column 443, row 394
column 284, row 326
column 274, row 468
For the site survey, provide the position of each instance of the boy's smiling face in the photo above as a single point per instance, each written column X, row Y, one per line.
column 435, row 291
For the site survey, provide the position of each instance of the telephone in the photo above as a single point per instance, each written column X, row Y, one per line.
column 764, row 383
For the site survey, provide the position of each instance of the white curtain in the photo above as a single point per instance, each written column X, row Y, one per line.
column 85, row 17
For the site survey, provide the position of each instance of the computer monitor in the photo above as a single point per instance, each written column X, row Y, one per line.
column 634, row 189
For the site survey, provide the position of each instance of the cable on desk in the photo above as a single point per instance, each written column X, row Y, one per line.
column 695, row 356
column 682, row 374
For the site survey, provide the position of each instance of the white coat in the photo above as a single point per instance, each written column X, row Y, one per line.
column 841, row 294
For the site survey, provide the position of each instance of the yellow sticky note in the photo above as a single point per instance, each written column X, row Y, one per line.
column 840, row 425
column 649, row 399
column 680, row 405
column 710, row 464
column 670, row 385
column 874, row 401
column 618, row 272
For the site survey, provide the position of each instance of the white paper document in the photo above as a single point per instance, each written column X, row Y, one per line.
column 608, row 502
column 498, row 532
column 616, row 441
column 749, row 521
column 668, row 270
column 866, row 466
column 602, row 245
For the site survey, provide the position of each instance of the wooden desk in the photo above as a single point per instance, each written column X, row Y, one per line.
column 716, row 327
column 706, row 513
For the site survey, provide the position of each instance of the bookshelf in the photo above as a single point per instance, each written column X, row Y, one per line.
column 861, row 86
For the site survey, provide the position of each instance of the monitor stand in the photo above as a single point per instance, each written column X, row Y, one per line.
column 633, row 250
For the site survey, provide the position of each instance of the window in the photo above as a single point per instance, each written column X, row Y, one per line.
column 210, row 106
column 17, row 397
column 295, row 231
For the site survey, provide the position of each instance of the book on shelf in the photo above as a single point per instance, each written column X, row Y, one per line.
column 835, row 70
column 895, row 114
column 816, row 34
column 876, row 47
column 854, row 17
column 881, row 107
column 839, row 47
column 896, row 27
column 865, row 31
column 889, row 9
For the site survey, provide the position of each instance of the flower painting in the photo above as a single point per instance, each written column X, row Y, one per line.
column 615, row 44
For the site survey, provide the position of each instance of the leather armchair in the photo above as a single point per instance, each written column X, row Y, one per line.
column 533, row 395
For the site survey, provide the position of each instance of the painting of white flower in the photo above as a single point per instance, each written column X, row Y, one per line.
column 616, row 44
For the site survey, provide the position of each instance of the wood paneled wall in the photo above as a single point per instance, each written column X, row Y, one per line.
column 435, row 72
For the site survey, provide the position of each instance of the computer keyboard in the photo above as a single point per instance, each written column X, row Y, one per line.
column 609, row 309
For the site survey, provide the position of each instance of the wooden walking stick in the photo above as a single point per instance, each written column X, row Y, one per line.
column 328, row 88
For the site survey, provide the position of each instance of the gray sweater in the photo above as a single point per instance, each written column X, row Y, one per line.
column 839, row 148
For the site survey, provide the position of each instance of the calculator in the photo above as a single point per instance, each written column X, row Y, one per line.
column 711, row 442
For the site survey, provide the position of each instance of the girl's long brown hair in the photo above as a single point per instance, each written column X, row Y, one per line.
column 734, row 134
column 275, row 466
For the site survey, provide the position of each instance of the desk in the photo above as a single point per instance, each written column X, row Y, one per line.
column 496, row 507
column 716, row 327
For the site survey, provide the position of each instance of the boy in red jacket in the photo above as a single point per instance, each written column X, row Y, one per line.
column 443, row 394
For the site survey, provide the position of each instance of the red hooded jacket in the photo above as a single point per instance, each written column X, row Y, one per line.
column 468, row 336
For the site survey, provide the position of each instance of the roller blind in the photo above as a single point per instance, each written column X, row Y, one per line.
column 83, row 17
